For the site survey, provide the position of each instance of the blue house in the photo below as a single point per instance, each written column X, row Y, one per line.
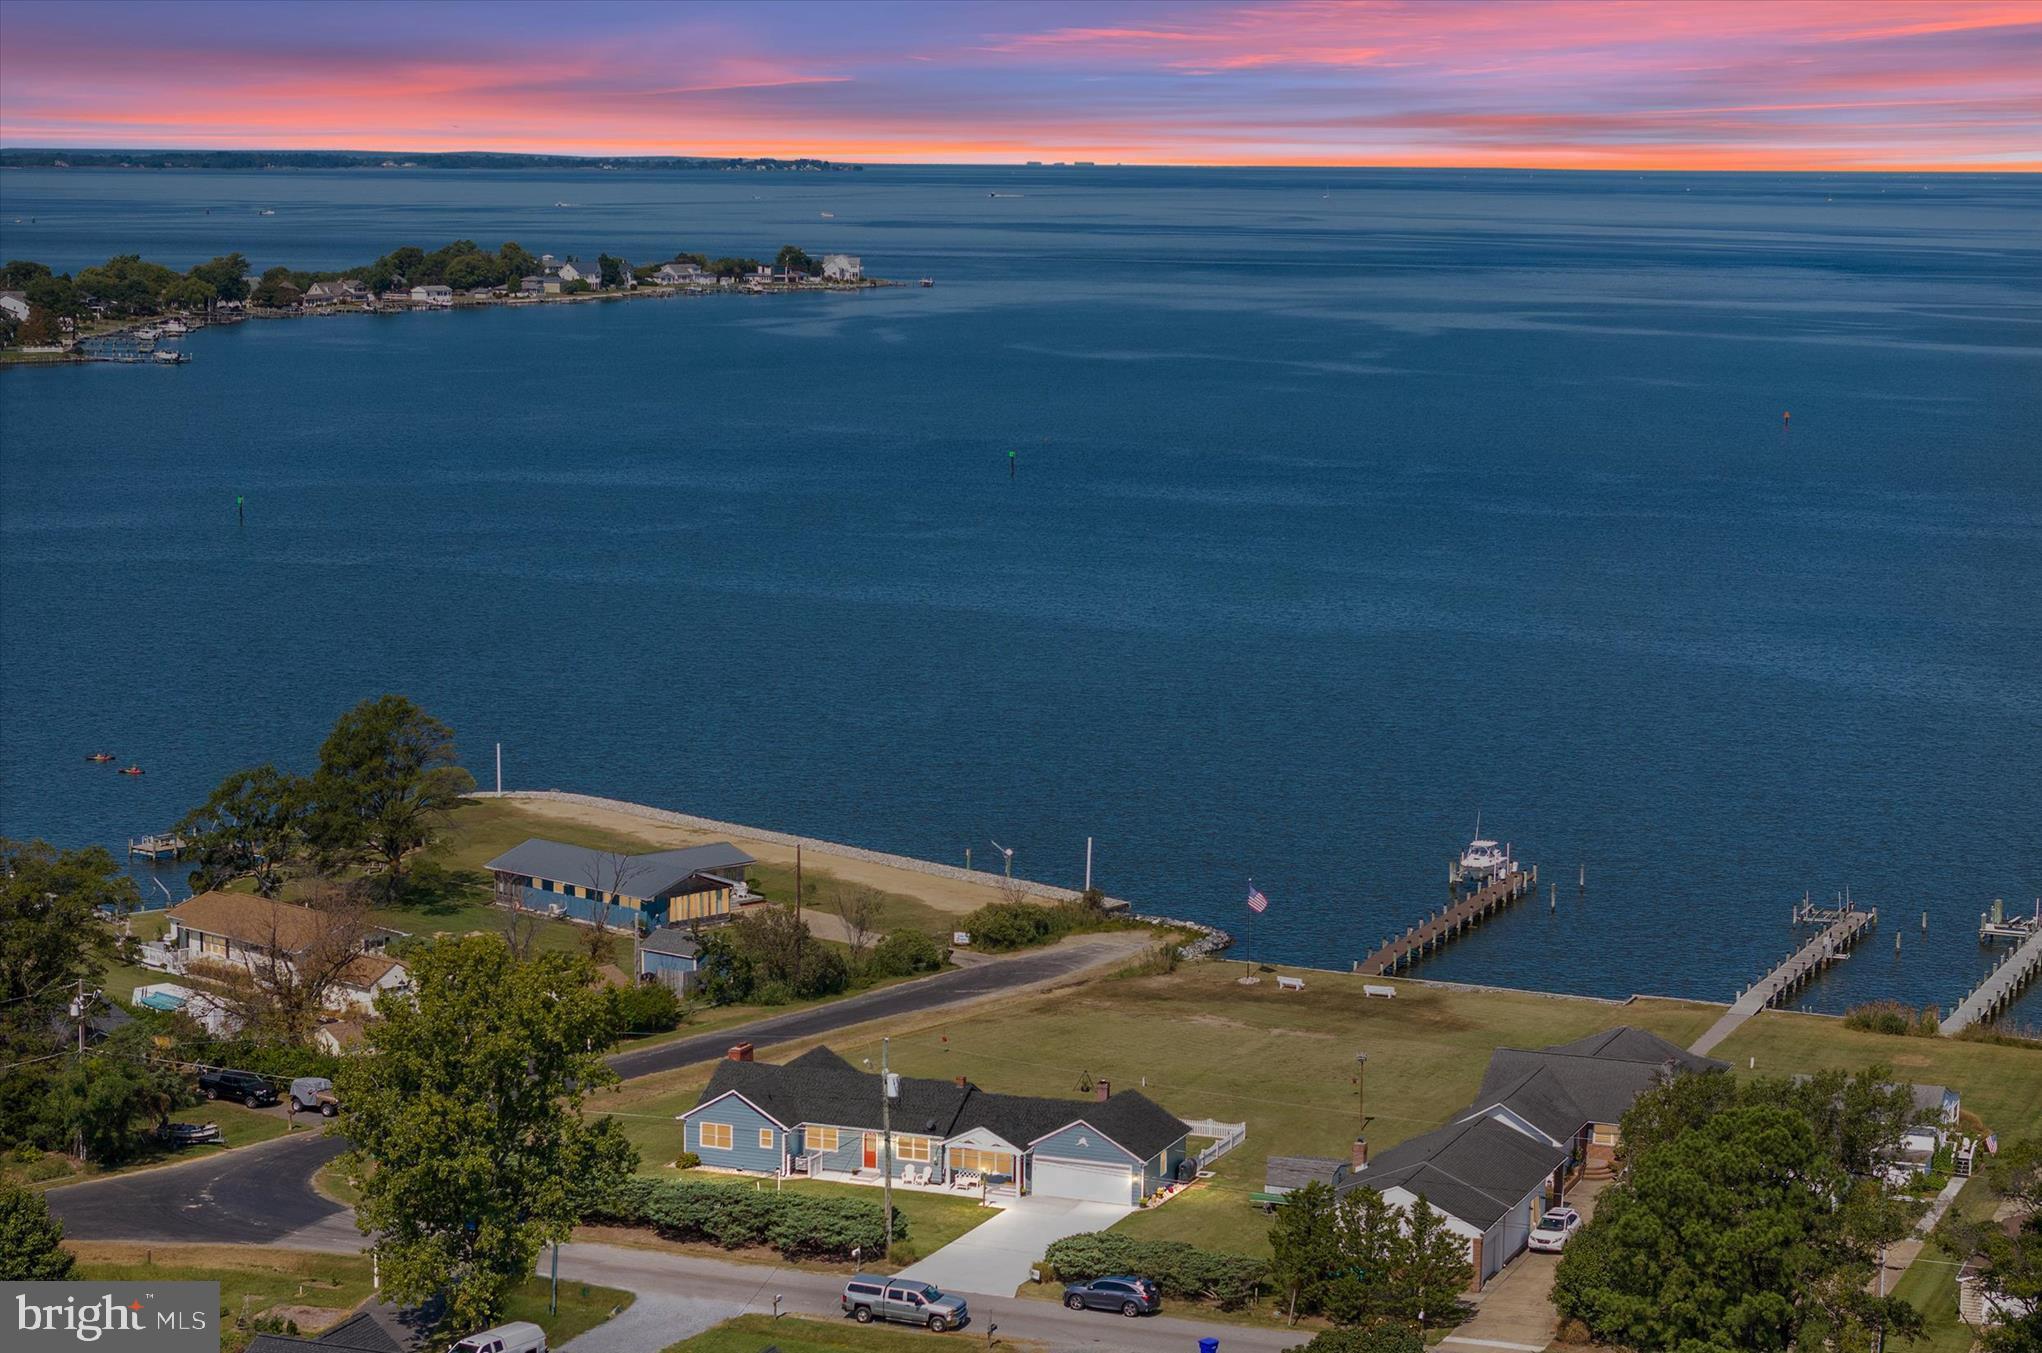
column 639, row 892
column 669, row 956
column 820, row 1116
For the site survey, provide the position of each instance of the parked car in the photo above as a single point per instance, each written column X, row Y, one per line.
column 243, row 1087
column 175, row 1135
column 1129, row 1296
column 868, row 1298
column 1550, row 1235
column 520, row 1336
column 309, row 1093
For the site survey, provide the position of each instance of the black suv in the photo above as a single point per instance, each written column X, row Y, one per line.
column 1129, row 1296
column 243, row 1087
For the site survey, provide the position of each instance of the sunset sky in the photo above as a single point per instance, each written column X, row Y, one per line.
column 1696, row 84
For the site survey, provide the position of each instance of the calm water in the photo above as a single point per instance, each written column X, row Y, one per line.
column 1348, row 505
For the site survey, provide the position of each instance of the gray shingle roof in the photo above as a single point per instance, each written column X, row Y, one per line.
column 1475, row 1170
column 669, row 940
column 1294, row 1172
column 1592, row 1079
column 821, row 1087
column 632, row 875
column 359, row 1333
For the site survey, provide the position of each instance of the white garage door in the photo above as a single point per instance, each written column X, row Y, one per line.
column 1092, row 1183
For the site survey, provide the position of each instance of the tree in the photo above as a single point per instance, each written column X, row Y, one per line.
column 610, row 874
column 189, row 293
column 31, row 1240
column 90, row 1107
column 1431, row 1268
column 611, row 270
column 858, row 908
column 385, row 785
column 2008, row 1254
column 227, row 274
column 1372, row 1239
column 39, row 330
column 51, row 941
column 466, row 1120
column 1739, row 1235
column 253, row 824
column 792, row 258
column 905, row 952
column 769, row 956
column 1305, row 1248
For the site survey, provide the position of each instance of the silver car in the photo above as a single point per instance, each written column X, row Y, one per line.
column 868, row 1297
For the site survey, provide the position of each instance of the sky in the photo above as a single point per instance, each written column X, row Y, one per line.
column 1598, row 84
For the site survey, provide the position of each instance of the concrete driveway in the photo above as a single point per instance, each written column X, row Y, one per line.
column 996, row 1257
column 1515, row 1311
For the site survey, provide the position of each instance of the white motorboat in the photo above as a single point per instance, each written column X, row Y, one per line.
column 1484, row 859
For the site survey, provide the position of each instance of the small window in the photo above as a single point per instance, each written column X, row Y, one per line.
column 765, row 1139
column 714, row 1136
column 912, row 1148
column 866, row 1289
column 822, row 1139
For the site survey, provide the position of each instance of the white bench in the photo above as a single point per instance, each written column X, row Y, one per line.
column 1290, row 984
column 1370, row 989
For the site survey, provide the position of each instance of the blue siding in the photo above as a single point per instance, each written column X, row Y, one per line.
column 746, row 1123
column 1162, row 1169
column 850, row 1153
column 619, row 916
column 648, row 961
column 1098, row 1148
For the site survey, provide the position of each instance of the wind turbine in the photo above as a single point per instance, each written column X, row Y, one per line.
column 1008, row 855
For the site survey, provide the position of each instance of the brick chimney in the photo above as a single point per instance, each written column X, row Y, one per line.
column 1358, row 1156
column 741, row 1052
column 1102, row 1090
column 963, row 1084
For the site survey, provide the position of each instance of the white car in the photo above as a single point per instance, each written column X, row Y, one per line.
column 1550, row 1235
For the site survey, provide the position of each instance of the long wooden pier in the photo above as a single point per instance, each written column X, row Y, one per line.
column 1442, row 928
column 1842, row 929
column 2013, row 972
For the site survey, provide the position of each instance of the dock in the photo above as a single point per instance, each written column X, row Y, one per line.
column 1841, row 928
column 1443, row 927
column 156, row 847
column 1990, row 998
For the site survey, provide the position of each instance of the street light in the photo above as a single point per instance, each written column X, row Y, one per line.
column 1360, row 1088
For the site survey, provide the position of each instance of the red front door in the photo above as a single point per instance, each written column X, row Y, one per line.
column 871, row 1150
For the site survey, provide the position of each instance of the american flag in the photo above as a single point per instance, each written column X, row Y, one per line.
column 1257, row 903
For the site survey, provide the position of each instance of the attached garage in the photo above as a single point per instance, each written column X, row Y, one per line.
column 1087, row 1183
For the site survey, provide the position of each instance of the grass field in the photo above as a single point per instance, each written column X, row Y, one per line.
column 238, row 1127
column 791, row 1334
column 316, row 1290
column 2001, row 1084
column 1930, row 1283
column 1206, row 1047
column 252, row 1280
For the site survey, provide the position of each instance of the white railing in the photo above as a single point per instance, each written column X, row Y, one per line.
column 1226, row 1136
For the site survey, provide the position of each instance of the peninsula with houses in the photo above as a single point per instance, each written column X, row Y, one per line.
column 129, row 309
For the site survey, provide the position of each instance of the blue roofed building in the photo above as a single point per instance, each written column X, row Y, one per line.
column 697, row 885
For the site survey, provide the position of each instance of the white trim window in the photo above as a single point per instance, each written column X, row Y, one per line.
column 765, row 1139
column 713, row 1136
column 823, row 1138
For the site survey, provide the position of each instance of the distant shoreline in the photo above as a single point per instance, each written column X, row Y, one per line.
column 36, row 158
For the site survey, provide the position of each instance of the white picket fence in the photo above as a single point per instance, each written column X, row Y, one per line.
column 1226, row 1136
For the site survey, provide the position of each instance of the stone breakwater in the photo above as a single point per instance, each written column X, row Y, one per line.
column 1209, row 942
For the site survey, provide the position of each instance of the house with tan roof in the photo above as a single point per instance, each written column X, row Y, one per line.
column 243, row 930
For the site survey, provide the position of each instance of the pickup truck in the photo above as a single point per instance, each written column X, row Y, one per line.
column 243, row 1087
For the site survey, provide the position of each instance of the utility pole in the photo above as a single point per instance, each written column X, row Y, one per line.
column 499, row 768
column 797, row 913
column 1361, row 1088
column 886, row 1141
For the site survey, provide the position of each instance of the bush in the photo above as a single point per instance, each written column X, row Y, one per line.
column 798, row 1225
column 1386, row 1338
column 648, row 1008
column 687, row 1160
column 1020, row 925
column 904, row 953
column 1891, row 1017
column 1180, row 1270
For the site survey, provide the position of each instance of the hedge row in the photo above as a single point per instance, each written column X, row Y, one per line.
column 1180, row 1270
column 798, row 1225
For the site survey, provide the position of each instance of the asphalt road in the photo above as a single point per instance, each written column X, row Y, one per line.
column 250, row 1195
column 262, row 1194
column 951, row 987
column 681, row 1295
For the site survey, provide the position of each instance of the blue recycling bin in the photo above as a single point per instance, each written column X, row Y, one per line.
column 1208, row 1346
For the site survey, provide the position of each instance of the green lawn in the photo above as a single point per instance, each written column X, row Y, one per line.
column 238, row 1127
column 252, row 1280
column 1204, row 1046
column 581, row 1308
column 1930, row 1283
column 791, row 1334
column 2002, row 1085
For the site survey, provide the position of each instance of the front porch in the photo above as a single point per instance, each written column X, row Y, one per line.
column 955, row 1185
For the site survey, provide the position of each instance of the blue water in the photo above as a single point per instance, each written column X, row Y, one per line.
column 1347, row 505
